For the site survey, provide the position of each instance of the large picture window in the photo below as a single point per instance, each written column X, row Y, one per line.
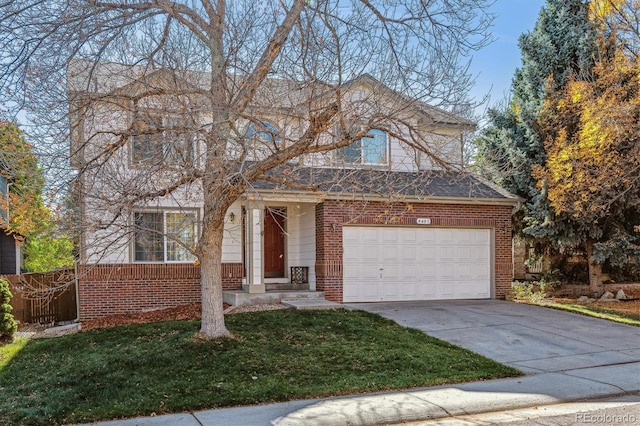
column 371, row 149
column 164, row 236
column 162, row 140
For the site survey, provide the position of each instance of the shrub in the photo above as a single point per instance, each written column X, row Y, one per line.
column 532, row 292
column 8, row 324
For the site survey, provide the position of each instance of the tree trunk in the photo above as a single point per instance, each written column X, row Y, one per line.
column 211, row 280
column 596, row 286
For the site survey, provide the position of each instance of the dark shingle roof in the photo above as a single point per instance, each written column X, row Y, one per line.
column 385, row 183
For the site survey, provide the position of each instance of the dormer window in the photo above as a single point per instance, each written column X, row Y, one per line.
column 372, row 149
column 263, row 131
column 158, row 139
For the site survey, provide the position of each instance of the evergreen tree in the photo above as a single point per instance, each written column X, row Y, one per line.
column 593, row 147
column 8, row 325
column 562, row 44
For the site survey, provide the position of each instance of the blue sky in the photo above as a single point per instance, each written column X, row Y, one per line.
column 495, row 64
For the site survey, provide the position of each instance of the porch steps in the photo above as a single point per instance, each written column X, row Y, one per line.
column 309, row 304
column 286, row 286
column 242, row 298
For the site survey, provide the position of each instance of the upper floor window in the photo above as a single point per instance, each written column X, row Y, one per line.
column 370, row 150
column 263, row 131
column 162, row 139
column 164, row 236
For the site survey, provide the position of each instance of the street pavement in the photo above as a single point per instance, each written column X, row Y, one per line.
column 567, row 357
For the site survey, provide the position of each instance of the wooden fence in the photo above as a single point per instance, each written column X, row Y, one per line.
column 44, row 297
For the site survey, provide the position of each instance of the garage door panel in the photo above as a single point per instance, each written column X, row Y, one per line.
column 390, row 236
column 369, row 235
column 426, row 290
column 409, row 255
column 408, row 236
column 416, row 263
column 389, row 253
column 369, row 274
column 409, row 273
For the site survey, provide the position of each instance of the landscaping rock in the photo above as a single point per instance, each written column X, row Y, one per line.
column 620, row 295
column 585, row 299
column 607, row 296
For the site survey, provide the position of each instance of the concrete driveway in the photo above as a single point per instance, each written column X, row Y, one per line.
column 531, row 338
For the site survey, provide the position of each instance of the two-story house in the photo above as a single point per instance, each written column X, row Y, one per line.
column 381, row 219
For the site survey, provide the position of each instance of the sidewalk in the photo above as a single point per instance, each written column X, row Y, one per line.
column 419, row 404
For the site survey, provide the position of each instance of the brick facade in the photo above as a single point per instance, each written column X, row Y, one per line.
column 128, row 288
column 332, row 215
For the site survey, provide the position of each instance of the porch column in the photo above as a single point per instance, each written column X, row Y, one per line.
column 253, row 250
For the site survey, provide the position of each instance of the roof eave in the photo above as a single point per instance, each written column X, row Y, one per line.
column 269, row 195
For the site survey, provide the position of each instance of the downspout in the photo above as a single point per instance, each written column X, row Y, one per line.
column 75, row 279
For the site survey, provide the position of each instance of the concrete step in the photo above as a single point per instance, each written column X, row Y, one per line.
column 242, row 298
column 308, row 304
column 286, row 286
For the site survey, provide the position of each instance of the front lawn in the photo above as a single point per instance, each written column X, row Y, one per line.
column 276, row 356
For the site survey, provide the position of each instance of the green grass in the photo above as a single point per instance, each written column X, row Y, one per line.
column 277, row 356
column 593, row 311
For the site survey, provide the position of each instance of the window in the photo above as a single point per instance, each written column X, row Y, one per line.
column 158, row 139
column 263, row 131
column 372, row 149
column 164, row 236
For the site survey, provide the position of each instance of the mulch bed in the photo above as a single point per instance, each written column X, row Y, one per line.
column 179, row 313
column 632, row 291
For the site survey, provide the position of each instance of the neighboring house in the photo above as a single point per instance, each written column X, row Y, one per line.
column 10, row 244
column 383, row 221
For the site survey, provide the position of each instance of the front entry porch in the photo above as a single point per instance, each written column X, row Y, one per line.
column 242, row 298
column 277, row 251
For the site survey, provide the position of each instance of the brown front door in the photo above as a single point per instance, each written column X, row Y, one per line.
column 274, row 231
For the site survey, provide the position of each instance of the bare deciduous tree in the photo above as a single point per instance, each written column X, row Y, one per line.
column 213, row 76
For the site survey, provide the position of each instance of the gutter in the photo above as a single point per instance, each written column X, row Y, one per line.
column 320, row 196
column 429, row 200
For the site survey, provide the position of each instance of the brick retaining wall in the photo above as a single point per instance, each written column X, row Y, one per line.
column 129, row 288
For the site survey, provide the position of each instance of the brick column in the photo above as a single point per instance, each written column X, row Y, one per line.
column 329, row 219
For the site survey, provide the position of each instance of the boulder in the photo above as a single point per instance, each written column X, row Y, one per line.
column 607, row 296
column 620, row 295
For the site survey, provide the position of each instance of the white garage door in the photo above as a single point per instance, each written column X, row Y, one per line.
column 397, row 264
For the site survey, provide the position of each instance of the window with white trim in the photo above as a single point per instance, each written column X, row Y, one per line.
column 370, row 150
column 164, row 236
column 158, row 139
column 263, row 131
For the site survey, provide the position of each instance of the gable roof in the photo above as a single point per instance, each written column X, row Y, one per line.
column 431, row 113
column 113, row 79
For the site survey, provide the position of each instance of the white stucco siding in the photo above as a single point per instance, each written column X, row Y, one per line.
column 301, row 244
column 307, row 239
column 232, row 239
column 445, row 147
column 107, row 246
column 403, row 158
